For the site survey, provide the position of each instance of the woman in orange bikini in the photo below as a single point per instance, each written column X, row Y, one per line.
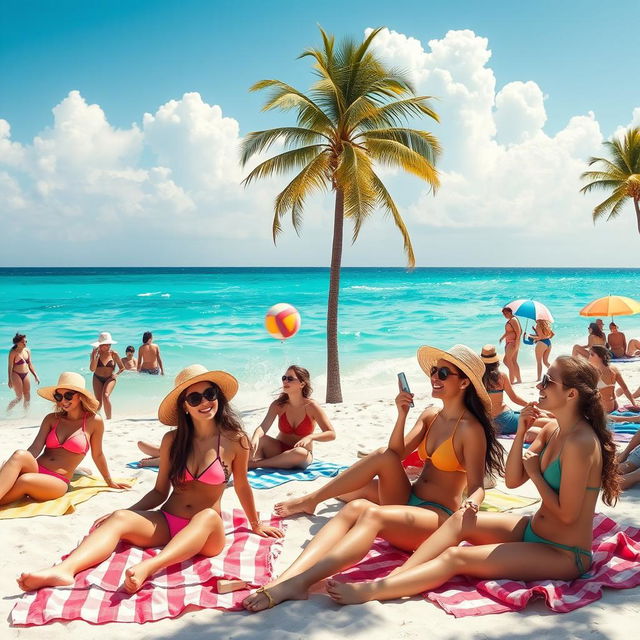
column 20, row 366
column 297, row 415
column 44, row 470
column 196, row 461
column 457, row 444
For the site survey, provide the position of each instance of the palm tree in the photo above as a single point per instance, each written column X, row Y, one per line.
column 620, row 175
column 354, row 115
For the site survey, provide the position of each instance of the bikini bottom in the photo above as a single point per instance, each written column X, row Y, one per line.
column 151, row 372
column 22, row 375
column 175, row 523
column 48, row 472
column 104, row 379
column 414, row 501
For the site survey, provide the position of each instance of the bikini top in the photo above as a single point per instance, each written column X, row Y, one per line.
column 603, row 385
column 553, row 473
column 305, row 428
column 444, row 457
column 22, row 361
column 214, row 474
column 110, row 365
column 77, row 442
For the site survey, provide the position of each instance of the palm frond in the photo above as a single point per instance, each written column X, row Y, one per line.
column 284, row 162
column 422, row 142
column 398, row 112
column 396, row 154
column 259, row 141
column 611, row 204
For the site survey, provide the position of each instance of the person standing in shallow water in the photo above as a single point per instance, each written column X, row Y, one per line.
column 20, row 366
column 149, row 360
column 511, row 337
column 129, row 362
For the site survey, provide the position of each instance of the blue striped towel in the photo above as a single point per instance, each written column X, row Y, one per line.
column 268, row 478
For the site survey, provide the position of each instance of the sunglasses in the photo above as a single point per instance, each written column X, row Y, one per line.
column 443, row 372
column 546, row 380
column 67, row 395
column 209, row 394
column 288, row 379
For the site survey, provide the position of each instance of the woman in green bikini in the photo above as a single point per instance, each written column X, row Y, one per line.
column 569, row 462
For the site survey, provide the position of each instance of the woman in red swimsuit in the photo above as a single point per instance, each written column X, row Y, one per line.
column 44, row 470
column 297, row 415
column 196, row 459
column 19, row 368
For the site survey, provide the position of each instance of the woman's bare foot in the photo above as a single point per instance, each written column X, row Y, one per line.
column 272, row 594
column 54, row 577
column 135, row 577
column 297, row 505
column 349, row 592
column 150, row 462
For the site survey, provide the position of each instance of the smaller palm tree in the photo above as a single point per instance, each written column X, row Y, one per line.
column 620, row 174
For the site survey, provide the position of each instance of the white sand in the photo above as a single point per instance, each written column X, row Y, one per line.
column 363, row 422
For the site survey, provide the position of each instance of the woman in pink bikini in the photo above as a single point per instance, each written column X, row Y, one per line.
column 19, row 368
column 196, row 459
column 44, row 470
column 297, row 415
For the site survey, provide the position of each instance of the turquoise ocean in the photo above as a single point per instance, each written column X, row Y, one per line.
column 215, row 316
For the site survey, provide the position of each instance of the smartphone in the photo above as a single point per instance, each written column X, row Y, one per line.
column 404, row 385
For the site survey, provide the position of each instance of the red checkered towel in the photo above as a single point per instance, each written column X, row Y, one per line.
column 96, row 596
column 616, row 564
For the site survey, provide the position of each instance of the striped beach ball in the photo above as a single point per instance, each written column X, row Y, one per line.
column 282, row 321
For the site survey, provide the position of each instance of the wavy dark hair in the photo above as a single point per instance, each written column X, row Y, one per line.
column 494, row 455
column 596, row 330
column 19, row 337
column 578, row 374
column 603, row 353
column 491, row 377
column 147, row 335
column 304, row 376
column 227, row 420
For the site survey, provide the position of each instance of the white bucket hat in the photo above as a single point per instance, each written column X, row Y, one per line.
column 104, row 338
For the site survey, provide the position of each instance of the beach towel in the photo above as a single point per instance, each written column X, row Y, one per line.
column 81, row 489
column 621, row 360
column 616, row 553
column 267, row 478
column 95, row 596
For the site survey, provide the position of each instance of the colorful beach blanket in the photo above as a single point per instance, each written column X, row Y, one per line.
column 81, row 489
column 616, row 552
column 95, row 597
column 268, row 478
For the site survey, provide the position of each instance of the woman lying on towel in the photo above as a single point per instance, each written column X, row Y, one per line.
column 197, row 459
column 458, row 446
column 569, row 465
column 297, row 414
column 44, row 470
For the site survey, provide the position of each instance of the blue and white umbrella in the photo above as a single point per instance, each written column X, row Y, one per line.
column 531, row 309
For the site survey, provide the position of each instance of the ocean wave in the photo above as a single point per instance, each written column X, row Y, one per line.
column 150, row 293
column 364, row 287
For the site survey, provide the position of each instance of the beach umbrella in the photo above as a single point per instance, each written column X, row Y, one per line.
column 531, row 309
column 611, row 306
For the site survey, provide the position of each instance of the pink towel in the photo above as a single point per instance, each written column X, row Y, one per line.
column 95, row 596
column 616, row 555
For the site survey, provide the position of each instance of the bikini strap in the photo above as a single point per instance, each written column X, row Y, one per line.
column 218, row 448
column 84, row 421
column 457, row 423
column 431, row 424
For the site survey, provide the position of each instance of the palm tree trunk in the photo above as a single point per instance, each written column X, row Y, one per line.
column 637, row 208
column 334, row 391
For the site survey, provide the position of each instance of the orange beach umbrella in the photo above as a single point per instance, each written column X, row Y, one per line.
column 611, row 306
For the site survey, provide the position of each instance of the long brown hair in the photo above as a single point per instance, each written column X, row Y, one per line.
column 491, row 378
column 304, row 376
column 578, row 374
column 226, row 418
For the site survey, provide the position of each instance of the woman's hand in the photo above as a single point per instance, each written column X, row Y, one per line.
column 99, row 522
column 304, row 442
column 267, row 531
column 255, row 443
column 469, row 505
column 403, row 401
column 118, row 485
column 529, row 415
column 531, row 463
column 10, row 383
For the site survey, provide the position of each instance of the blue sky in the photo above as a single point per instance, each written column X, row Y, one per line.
column 129, row 58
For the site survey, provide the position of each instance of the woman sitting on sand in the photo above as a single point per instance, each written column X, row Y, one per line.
column 103, row 363
column 542, row 334
column 497, row 383
column 20, row 366
column 569, row 463
column 458, row 445
column 197, row 459
column 609, row 376
column 297, row 415
column 596, row 338
column 44, row 470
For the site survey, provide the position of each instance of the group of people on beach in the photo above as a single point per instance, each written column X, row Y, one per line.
column 571, row 459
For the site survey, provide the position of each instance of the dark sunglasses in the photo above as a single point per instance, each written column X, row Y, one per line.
column 443, row 372
column 288, row 378
column 546, row 380
column 209, row 394
column 67, row 395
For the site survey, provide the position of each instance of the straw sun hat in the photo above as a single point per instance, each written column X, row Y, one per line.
column 489, row 355
column 466, row 359
column 168, row 409
column 104, row 338
column 74, row 382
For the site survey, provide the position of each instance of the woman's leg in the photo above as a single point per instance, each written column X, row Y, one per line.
column 579, row 351
column 97, row 390
column 204, row 534
column 545, row 356
column 26, row 392
column 296, row 458
column 539, row 353
column 16, row 383
column 140, row 528
column 107, row 389
column 21, row 461
column 394, row 486
column 345, row 540
column 629, row 478
column 38, row 486
column 151, row 450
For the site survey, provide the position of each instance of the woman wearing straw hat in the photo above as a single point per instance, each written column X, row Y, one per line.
column 197, row 458
column 569, row 462
column 457, row 444
column 103, row 362
column 44, row 470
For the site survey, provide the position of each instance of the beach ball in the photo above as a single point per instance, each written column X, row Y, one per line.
column 282, row 321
